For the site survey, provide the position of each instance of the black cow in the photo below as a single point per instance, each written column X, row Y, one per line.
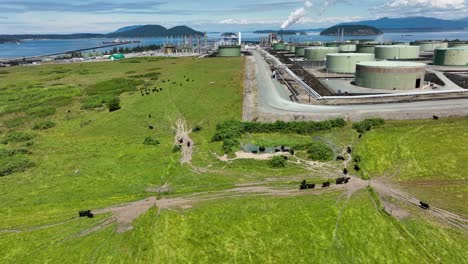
column 303, row 185
column 357, row 168
column 325, row 184
column 340, row 158
column 435, row 117
column 149, row 116
column 349, row 150
column 261, row 149
column 69, row 111
column 291, row 151
column 151, row 127
column 86, row 213
column 424, row 205
column 282, row 148
column 346, row 180
column 360, row 136
column 340, row 180
column 345, row 171
column 188, row 144
column 181, row 140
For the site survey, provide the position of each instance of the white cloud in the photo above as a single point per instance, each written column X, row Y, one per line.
column 437, row 8
column 432, row 4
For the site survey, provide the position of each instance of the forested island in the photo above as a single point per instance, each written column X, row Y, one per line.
column 351, row 30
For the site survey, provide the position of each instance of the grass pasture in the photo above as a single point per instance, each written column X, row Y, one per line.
column 81, row 156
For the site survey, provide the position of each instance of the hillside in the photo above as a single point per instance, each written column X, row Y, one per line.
column 146, row 31
column 352, row 30
column 412, row 23
column 122, row 29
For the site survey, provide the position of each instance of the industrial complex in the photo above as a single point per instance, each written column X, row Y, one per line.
column 317, row 80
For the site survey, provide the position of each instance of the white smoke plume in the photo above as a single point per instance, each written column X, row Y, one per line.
column 297, row 15
column 300, row 13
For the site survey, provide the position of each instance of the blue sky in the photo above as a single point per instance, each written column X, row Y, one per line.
column 71, row 16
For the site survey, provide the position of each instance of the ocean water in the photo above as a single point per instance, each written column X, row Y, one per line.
column 29, row 48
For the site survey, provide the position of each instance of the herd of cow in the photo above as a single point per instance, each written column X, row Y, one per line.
column 344, row 180
column 148, row 91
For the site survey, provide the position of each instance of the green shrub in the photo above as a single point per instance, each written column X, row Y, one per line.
column 232, row 130
column 319, row 151
column 229, row 144
column 278, row 162
column 150, row 141
column 16, row 137
column 14, row 164
column 9, row 153
column 367, row 124
column 43, row 125
column 114, row 104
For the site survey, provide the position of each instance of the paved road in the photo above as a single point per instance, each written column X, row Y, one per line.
column 273, row 101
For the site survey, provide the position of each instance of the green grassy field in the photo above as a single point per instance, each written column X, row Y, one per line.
column 93, row 159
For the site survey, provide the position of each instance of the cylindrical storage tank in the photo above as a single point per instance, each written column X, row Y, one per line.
column 365, row 48
column 300, row 51
column 346, row 62
column 286, row 47
column 458, row 44
column 278, row 46
column 347, row 47
column 319, row 53
column 429, row 46
column 390, row 75
column 396, row 52
column 292, row 49
column 451, row 57
column 229, row 51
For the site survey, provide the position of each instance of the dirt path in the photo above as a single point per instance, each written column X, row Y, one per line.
column 183, row 140
column 123, row 215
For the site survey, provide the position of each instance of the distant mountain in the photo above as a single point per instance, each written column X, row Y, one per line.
column 127, row 28
column 412, row 23
column 183, row 31
column 146, row 31
column 351, row 30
